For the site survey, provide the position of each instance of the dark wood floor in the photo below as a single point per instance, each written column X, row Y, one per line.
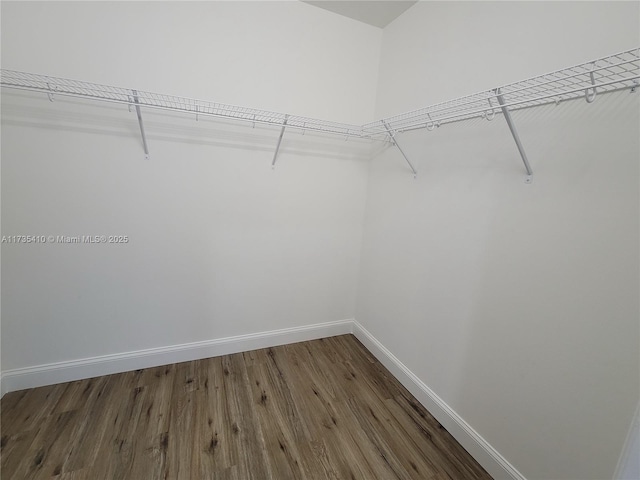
column 324, row 409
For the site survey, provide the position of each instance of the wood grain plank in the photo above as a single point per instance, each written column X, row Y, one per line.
column 248, row 438
column 119, row 442
column 45, row 456
column 319, row 410
column 33, row 405
column 181, row 429
column 443, row 450
column 91, row 426
column 214, row 434
column 150, row 458
column 14, row 451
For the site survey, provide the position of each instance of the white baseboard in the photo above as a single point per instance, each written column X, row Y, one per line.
column 53, row 373
column 487, row 456
column 61, row 372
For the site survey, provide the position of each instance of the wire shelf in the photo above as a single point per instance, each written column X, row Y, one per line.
column 586, row 80
column 607, row 74
column 74, row 88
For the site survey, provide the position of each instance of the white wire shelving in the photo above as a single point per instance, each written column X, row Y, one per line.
column 603, row 75
column 53, row 86
column 587, row 80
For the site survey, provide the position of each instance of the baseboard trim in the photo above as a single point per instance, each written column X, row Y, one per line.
column 487, row 456
column 49, row 374
column 478, row 447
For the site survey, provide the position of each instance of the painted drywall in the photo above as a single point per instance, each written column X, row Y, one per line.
column 272, row 55
column 469, row 276
column 219, row 244
column 516, row 304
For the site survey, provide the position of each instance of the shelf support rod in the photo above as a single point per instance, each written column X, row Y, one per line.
column 514, row 133
column 139, row 113
column 394, row 141
column 275, row 155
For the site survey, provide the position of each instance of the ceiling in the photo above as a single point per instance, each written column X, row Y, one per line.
column 378, row 13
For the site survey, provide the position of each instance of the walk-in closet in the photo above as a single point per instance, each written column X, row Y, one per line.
column 320, row 240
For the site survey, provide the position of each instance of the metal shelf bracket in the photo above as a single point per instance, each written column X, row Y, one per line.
column 49, row 94
column 395, row 142
column 139, row 113
column 514, row 133
column 275, row 155
column 591, row 96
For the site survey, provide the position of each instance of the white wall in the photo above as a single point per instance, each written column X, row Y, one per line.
column 516, row 304
column 273, row 55
column 219, row 244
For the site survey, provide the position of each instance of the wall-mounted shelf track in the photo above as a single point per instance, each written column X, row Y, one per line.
column 587, row 80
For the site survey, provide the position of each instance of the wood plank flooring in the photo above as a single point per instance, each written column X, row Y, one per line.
column 324, row 409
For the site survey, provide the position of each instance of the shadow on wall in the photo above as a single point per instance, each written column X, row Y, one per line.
column 90, row 117
column 551, row 347
column 219, row 244
column 516, row 304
